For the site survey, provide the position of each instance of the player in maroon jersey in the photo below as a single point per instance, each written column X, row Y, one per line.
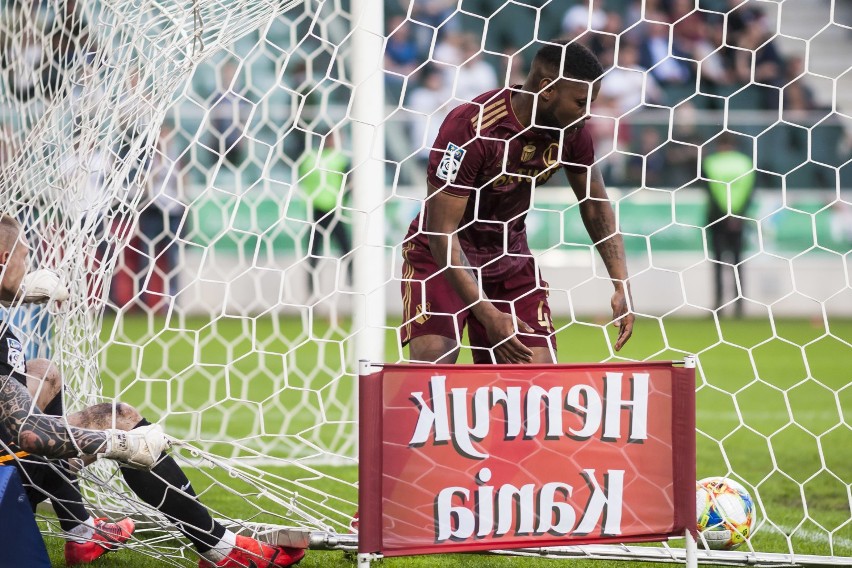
column 467, row 260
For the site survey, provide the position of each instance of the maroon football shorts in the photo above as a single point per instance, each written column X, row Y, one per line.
column 430, row 305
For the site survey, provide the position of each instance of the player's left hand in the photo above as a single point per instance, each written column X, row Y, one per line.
column 502, row 332
column 622, row 317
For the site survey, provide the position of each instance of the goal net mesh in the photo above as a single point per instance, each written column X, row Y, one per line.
column 171, row 161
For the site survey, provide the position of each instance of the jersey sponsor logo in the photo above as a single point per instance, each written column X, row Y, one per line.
column 524, row 176
column 449, row 166
column 528, row 152
column 15, row 355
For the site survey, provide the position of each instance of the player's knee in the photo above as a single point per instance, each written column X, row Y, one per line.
column 53, row 379
column 106, row 415
column 433, row 349
column 47, row 372
column 126, row 416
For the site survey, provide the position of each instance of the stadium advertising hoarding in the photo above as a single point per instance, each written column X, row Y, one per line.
column 457, row 458
column 665, row 221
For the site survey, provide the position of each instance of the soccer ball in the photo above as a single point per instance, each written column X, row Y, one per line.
column 726, row 513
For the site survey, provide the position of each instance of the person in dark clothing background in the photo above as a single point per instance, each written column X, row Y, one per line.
column 730, row 180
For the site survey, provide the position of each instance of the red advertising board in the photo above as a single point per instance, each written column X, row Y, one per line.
column 457, row 458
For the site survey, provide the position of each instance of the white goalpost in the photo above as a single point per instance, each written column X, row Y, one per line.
column 368, row 181
column 224, row 187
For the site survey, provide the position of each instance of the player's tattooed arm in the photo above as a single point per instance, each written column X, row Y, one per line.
column 42, row 434
column 599, row 220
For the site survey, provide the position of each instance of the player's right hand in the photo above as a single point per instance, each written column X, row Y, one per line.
column 139, row 448
column 502, row 332
column 42, row 285
column 38, row 287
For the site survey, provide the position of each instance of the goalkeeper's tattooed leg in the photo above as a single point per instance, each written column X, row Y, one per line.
column 41, row 434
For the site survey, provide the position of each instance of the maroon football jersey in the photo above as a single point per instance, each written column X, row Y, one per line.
column 482, row 152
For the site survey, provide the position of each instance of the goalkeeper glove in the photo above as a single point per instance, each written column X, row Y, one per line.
column 38, row 287
column 139, row 448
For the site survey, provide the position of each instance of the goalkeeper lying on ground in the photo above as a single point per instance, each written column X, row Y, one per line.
column 36, row 442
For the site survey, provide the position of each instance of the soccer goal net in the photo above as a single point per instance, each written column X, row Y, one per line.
column 225, row 188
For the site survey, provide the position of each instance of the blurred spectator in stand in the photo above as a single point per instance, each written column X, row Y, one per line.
column 800, row 108
column 716, row 71
column 22, row 59
column 437, row 17
column 322, row 179
column 134, row 109
column 740, row 15
column 401, row 55
column 797, row 105
column 627, row 82
column 758, row 52
column 449, row 50
column 681, row 153
column 8, row 145
column 35, row 61
column 475, row 75
column 608, row 132
column 798, row 96
column 730, row 176
column 581, row 17
column 632, row 14
column 70, row 42
column 162, row 212
column 133, row 154
column 513, row 68
column 645, row 168
column 431, row 103
column 226, row 116
column 687, row 20
column 665, row 68
column 82, row 190
column 84, row 171
column 604, row 39
column 623, row 87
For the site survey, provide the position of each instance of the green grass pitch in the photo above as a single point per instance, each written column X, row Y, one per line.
column 771, row 395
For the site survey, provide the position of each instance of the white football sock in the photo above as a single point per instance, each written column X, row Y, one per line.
column 221, row 551
column 82, row 532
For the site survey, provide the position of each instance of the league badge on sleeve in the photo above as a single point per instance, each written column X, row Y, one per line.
column 15, row 355
column 450, row 163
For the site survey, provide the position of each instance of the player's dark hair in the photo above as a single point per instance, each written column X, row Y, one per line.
column 577, row 60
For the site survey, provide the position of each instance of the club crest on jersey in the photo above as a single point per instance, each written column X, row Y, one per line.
column 15, row 355
column 450, row 163
column 528, row 152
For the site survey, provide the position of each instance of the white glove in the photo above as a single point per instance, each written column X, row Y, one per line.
column 42, row 285
column 139, row 448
